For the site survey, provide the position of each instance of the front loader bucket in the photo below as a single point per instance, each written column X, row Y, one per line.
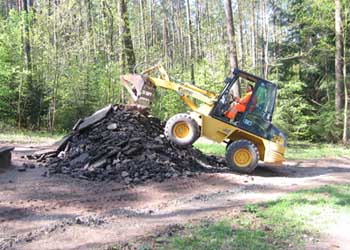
column 139, row 88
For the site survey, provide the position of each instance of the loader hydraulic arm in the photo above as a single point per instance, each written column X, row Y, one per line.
column 140, row 87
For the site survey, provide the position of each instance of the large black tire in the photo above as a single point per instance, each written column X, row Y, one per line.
column 182, row 130
column 242, row 156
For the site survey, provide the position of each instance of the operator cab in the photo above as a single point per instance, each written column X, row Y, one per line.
column 258, row 113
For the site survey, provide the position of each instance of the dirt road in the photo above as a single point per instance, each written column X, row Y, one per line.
column 59, row 212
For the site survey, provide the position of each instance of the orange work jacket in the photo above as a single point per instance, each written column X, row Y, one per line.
column 240, row 106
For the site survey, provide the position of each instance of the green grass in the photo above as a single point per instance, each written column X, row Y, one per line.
column 294, row 151
column 218, row 235
column 287, row 223
column 28, row 137
column 307, row 150
column 211, row 148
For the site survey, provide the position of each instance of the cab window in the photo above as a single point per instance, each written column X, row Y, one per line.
column 264, row 99
column 259, row 113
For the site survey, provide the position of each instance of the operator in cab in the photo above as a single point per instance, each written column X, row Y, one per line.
column 239, row 104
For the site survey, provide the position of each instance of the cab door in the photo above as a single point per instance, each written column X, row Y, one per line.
column 258, row 115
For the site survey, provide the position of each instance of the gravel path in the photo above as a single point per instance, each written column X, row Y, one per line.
column 59, row 212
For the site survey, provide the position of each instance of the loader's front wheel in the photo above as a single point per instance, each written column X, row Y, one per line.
column 182, row 130
column 242, row 156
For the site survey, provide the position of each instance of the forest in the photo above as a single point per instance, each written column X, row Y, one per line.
column 61, row 59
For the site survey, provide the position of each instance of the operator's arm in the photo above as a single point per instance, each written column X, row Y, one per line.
column 245, row 99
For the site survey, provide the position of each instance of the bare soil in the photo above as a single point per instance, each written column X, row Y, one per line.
column 59, row 212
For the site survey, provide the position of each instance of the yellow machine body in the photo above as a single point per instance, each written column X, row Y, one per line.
column 270, row 151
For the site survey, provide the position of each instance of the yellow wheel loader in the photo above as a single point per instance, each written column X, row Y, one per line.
column 249, row 137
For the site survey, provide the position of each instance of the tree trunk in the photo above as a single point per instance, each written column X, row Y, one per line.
column 241, row 43
column 32, row 98
column 121, row 56
column 339, row 85
column 143, row 33
column 174, row 32
column 190, row 39
column 198, row 28
column 7, row 8
column 26, row 44
column 231, row 42
column 346, row 109
column 151, row 22
column 253, row 37
column 126, row 37
column 274, row 23
column 181, row 43
column 19, row 5
column 56, row 75
column 345, row 78
column 266, row 41
column 189, row 30
column 165, row 34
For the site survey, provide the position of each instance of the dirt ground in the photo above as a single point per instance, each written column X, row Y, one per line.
column 58, row 212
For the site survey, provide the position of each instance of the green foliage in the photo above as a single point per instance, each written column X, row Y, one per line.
column 166, row 104
column 324, row 128
column 307, row 82
column 77, row 56
column 10, row 70
column 292, row 114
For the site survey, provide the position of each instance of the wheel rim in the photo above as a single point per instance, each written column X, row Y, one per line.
column 181, row 130
column 242, row 157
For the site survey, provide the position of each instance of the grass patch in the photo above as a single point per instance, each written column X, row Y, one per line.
column 29, row 137
column 211, row 148
column 307, row 150
column 294, row 151
column 287, row 223
column 218, row 235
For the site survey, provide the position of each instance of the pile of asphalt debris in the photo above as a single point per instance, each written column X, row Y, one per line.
column 125, row 145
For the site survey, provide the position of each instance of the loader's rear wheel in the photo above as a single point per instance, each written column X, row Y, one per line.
column 182, row 130
column 242, row 156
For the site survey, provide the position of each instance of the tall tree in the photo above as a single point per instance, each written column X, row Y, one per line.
column 253, row 35
column 198, row 29
column 190, row 39
column 143, row 33
column 264, row 38
column 345, row 78
column 231, row 42
column 339, row 85
column 129, row 54
column 240, row 27
column 27, row 65
column 165, row 33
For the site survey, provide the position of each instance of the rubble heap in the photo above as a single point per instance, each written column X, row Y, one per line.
column 120, row 144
